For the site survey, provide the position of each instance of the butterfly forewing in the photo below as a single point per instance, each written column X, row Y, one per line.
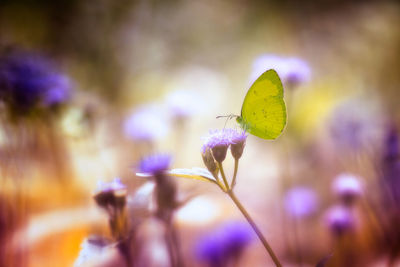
column 264, row 110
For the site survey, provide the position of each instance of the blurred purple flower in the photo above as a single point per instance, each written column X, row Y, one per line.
column 339, row 220
column 355, row 124
column 155, row 164
column 59, row 91
column 347, row 187
column 183, row 103
column 29, row 81
column 391, row 166
column 301, row 201
column 148, row 123
column 291, row 70
column 391, row 148
column 225, row 244
column 114, row 185
column 110, row 195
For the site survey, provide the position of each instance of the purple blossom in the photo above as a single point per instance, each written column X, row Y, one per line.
column 391, row 167
column 113, row 186
column 217, row 138
column 225, row 244
column 301, row 201
column 218, row 142
column 339, row 220
column 183, row 103
column 347, row 186
column 355, row 124
column 236, row 137
column 291, row 70
column 155, row 164
column 59, row 91
column 148, row 123
column 238, row 141
column 29, row 81
column 392, row 147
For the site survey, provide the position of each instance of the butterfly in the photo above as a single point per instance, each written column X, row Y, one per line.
column 264, row 111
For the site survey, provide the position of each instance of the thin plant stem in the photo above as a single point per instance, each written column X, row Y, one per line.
column 255, row 228
column 235, row 173
column 221, row 169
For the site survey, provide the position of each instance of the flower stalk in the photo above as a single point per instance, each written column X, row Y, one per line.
column 219, row 142
column 255, row 227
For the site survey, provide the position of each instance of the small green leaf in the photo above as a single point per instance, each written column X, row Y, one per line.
column 194, row 173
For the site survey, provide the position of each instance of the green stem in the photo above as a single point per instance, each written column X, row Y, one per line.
column 221, row 169
column 255, row 228
column 235, row 173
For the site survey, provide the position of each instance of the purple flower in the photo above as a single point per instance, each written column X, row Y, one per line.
column 148, row 123
column 114, row 185
column 347, row 187
column 225, row 244
column 238, row 141
column 301, row 201
column 391, row 167
column 218, row 142
column 28, row 81
column 236, row 236
column 155, row 164
column 355, row 124
column 339, row 220
column 59, row 91
column 291, row 70
column 391, row 147
column 217, row 138
column 183, row 103
column 110, row 194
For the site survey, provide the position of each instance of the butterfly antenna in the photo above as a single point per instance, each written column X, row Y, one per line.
column 228, row 117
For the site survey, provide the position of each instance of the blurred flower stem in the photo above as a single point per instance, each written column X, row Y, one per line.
column 231, row 194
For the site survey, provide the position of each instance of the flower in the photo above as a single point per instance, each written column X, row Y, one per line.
column 148, row 123
column 224, row 244
column 347, row 187
column 209, row 161
column 155, row 164
column 301, row 201
column 59, row 91
column 339, row 220
column 355, row 124
column 111, row 194
column 238, row 141
column 291, row 70
column 391, row 146
column 113, row 186
column 183, row 103
column 218, row 142
column 29, row 82
column 391, row 167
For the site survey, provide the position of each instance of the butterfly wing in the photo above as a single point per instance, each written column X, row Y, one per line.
column 264, row 110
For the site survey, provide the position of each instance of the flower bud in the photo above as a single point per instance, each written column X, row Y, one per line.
column 209, row 161
column 219, row 152
column 238, row 141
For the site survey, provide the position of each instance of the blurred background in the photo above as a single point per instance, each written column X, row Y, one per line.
column 90, row 88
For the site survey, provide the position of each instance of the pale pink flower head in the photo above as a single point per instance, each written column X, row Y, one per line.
column 347, row 187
